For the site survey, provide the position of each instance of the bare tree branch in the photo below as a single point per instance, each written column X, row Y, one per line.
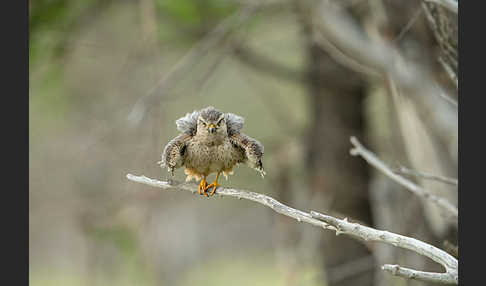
column 409, row 25
column 408, row 273
column 339, row 226
column 415, row 80
column 452, row 75
column 372, row 159
column 451, row 5
column 342, row 58
column 444, row 26
column 370, row 234
column 405, row 171
column 447, row 98
column 256, row 197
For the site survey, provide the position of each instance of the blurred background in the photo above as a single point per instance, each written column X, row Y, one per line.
column 109, row 78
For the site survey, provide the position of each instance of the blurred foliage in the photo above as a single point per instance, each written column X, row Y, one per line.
column 51, row 20
column 89, row 63
column 50, row 23
column 122, row 238
column 195, row 13
column 247, row 269
column 60, row 16
column 70, row 157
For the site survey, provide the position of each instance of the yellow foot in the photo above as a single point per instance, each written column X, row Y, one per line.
column 214, row 185
column 202, row 187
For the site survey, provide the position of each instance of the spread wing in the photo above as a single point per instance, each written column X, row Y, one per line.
column 174, row 152
column 234, row 123
column 252, row 150
column 188, row 123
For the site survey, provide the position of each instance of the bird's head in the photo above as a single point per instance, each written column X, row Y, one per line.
column 212, row 122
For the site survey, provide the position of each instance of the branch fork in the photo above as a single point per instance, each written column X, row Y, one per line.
column 340, row 226
column 450, row 276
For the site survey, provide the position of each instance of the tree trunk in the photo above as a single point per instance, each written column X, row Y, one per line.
column 339, row 182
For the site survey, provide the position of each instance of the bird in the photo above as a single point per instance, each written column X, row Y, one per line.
column 211, row 142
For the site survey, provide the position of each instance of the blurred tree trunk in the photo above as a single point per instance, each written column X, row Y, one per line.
column 336, row 99
column 338, row 181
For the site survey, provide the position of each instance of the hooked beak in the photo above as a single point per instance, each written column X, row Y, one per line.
column 212, row 128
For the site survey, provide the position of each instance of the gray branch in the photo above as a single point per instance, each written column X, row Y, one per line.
column 451, row 5
column 337, row 225
column 342, row 58
column 452, row 75
column 405, row 171
column 372, row 159
column 413, row 79
column 450, row 276
column 228, row 192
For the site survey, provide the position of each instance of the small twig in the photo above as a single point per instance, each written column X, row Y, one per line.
column 373, row 160
column 451, row 5
column 405, row 171
column 342, row 58
column 408, row 273
column 415, row 81
column 441, row 94
column 409, row 25
column 450, row 276
column 452, row 75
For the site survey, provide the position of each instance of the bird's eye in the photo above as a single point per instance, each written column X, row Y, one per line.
column 203, row 123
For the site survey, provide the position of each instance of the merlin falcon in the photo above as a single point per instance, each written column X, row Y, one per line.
column 211, row 142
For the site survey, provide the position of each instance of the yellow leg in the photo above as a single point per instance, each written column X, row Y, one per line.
column 214, row 185
column 202, row 186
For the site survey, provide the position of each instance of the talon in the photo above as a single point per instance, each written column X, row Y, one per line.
column 202, row 187
column 214, row 185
